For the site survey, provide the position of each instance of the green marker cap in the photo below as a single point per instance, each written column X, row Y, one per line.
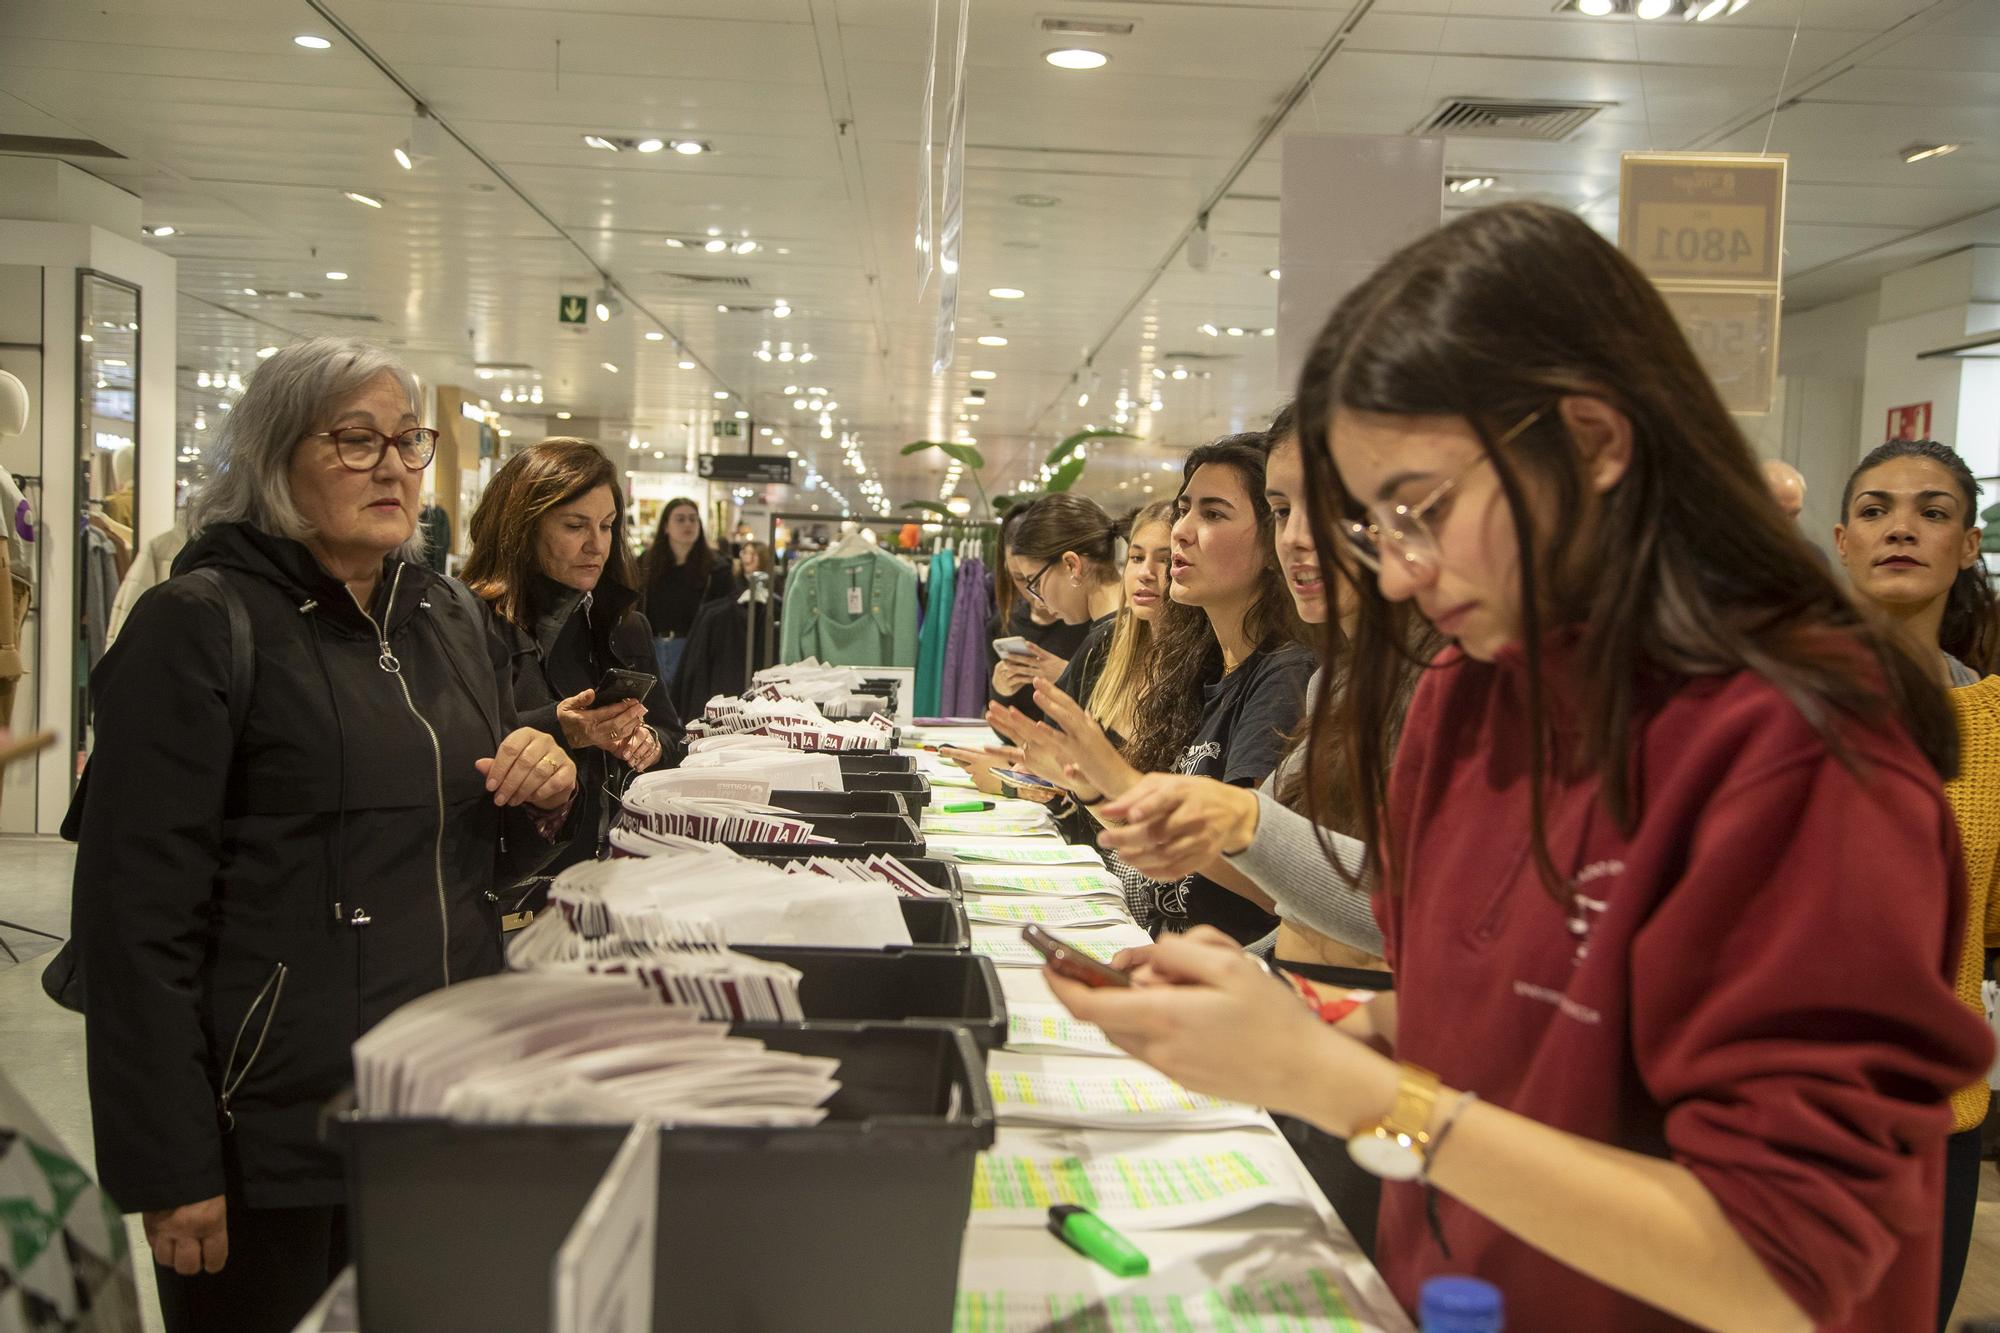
column 1090, row 1236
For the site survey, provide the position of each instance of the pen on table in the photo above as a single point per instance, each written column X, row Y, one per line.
column 1090, row 1236
column 965, row 807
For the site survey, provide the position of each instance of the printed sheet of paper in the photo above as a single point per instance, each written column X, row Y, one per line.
column 1068, row 912
column 1035, row 851
column 1162, row 1181
column 1041, row 882
column 1050, row 1026
column 603, row 1278
column 1216, row 1278
column 1004, row 945
column 987, row 823
column 1092, row 1093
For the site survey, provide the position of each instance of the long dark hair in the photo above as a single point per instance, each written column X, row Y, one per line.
column 1970, row 630
column 1186, row 654
column 660, row 560
column 506, row 528
column 1683, row 568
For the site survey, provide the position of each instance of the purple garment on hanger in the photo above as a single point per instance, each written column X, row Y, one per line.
column 964, row 688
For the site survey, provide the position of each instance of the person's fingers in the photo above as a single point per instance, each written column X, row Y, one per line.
column 502, row 763
column 215, row 1250
column 1195, row 960
column 530, row 750
column 1127, row 959
column 162, row 1246
column 579, row 702
column 187, row 1256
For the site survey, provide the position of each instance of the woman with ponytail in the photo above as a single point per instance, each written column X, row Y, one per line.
column 1909, row 538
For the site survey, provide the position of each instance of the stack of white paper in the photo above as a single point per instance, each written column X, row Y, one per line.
column 882, row 868
column 710, row 819
column 565, row 1047
column 785, row 770
column 750, row 902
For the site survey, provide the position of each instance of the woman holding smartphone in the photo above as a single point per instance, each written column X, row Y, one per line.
column 1228, row 685
column 549, row 561
column 1667, row 876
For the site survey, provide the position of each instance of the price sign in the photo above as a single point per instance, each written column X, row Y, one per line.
column 1703, row 217
column 1735, row 335
column 1708, row 229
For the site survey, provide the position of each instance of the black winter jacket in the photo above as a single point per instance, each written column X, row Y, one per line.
column 244, row 912
column 574, row 639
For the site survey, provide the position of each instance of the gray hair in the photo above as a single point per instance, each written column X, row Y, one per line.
column 287, row 397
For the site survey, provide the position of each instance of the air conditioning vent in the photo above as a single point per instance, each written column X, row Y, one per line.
column 1170, row 357
column 42, row 145
column 1087, row 27
column 1506, row 118
column 705, row 280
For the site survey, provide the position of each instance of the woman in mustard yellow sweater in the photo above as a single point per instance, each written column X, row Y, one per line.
column 1909, row 539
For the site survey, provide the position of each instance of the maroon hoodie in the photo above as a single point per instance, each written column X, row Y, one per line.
column 1756, row 983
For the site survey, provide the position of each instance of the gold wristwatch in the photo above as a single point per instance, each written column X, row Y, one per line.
column 1396, row 1146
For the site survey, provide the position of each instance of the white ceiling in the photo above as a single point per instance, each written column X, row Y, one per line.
column 245, row 142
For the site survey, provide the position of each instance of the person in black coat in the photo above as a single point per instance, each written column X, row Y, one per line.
column 260, row 881
column 682, row 572
column 549, row 563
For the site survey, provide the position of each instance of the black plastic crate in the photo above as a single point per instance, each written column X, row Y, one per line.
column 852, row 1225
column 893, row 835
column 914, row 786
column 924, row 987
column 877, row 761
column 841, row 802
column 937, row 923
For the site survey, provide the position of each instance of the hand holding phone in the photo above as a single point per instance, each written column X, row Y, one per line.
column 1020, row 779
column 620, row 685
column 1066, row 961
column 1013, row 646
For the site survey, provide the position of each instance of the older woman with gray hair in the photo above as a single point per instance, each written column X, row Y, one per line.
column 307, row 785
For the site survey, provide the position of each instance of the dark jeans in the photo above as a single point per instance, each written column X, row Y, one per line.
column 281, row 1260
column 1961, row 1198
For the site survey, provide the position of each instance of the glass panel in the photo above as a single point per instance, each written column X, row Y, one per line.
column 107, row 417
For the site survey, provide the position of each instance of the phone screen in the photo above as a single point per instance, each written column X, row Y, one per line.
column 1020, row 779
column 619, row 685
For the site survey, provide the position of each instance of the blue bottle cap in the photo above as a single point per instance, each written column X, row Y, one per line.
column 1459, row 1305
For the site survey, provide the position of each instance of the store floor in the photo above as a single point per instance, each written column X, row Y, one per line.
column 41, row 1050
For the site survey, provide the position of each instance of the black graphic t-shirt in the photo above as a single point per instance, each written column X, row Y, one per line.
column 1247, row 720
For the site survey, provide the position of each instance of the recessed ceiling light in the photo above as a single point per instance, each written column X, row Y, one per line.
column 716, row 246
column 654, row 336
column 1654, row 9
column 310, row 42
column 984, row 375
column 1005, row 293
column 721, row 394
column 359, row 198
column 598, row 141
column 686, row 365
column 562, row 416
column 1271, row 273
column 266, row 353
column 1918, row 152
column 650, row 145
column 691, row 147
column 162, row 231
column 1468, row 184
column 1077, row 57
column 745, row 247
column 608, row 366
column 676, row 243
column 992, row 340
column 335, row 275
column 1710, row 10
column 1597, row 9
column 742, row 416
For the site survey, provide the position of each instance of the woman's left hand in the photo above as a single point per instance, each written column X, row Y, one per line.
column 640, row 750
column 1214, row 1020
column 529, row 768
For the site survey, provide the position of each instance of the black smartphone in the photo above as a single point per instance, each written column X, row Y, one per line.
column 619, row 685
column 1072, row 963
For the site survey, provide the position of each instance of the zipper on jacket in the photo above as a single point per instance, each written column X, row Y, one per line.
column 232, row 1078
column 387, row 661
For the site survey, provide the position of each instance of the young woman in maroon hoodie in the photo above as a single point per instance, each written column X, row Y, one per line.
column 1668, row 880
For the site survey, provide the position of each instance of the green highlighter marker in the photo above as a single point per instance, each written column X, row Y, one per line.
column 965, row 807
column 1089, row 1235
